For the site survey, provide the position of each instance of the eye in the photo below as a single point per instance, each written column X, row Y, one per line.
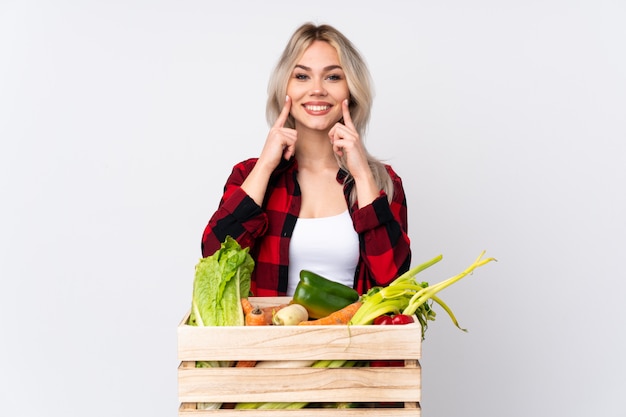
column 334, row 77
column 300, row 76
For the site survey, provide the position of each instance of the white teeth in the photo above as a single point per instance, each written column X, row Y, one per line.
column 317, row 108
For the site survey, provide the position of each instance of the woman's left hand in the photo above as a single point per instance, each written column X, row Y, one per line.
column 346, row 141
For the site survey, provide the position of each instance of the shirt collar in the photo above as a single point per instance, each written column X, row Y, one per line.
column 341, row 175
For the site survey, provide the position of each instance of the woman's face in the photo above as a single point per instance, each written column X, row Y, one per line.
column 317, row 87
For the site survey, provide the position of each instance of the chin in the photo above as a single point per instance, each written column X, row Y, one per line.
column 322, row 128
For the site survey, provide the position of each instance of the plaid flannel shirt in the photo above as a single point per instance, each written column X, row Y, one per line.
column 382, row 228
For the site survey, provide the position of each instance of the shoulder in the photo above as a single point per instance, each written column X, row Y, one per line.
column 246, row 163
column 244, row 167
column 392, row 174
column 396, row 184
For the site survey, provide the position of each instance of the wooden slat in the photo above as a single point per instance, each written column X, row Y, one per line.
column 299, row 384
column 310, row 412
column 297, row 342
column 269, row 301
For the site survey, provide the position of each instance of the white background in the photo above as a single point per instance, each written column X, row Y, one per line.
column 120, row 120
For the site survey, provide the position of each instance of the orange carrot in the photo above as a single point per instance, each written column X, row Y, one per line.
column 245, row 364
column 256, row 318
column 270, row 311
column 267, row 313
column 247, row 306
column 342, row 316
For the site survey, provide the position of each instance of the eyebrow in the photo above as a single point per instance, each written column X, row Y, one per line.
column 328, row 68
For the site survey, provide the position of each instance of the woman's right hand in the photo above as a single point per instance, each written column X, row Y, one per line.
column 280, row 142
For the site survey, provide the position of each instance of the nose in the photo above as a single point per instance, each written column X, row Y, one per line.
column 318, row 89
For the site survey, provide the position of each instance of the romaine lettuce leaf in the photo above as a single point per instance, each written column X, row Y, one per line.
column 221, row 280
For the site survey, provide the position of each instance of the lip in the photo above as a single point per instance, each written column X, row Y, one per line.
column 317, row 108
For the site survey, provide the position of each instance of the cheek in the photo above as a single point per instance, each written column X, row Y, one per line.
column 342, row 93
column 294, row 90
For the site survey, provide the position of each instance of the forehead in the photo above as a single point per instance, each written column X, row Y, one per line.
column 319, row 54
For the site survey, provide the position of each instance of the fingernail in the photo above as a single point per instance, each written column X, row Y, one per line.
column 286, row 98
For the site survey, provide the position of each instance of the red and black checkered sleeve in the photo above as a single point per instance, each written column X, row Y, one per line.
column 237, row 215
column 383, row 233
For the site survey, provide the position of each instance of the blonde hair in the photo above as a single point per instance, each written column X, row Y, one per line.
column 359, row 84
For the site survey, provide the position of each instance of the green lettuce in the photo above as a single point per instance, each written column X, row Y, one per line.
column 221, row 280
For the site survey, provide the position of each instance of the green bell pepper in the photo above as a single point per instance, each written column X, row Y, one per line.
column 321, row 296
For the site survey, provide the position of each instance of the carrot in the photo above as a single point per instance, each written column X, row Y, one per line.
column 342, row 316
column 247, row 306
column 245, row 364
column 256, row 317
column 267, row 313
column 270, row 311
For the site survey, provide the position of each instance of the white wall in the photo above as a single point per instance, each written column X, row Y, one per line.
column 120, row 120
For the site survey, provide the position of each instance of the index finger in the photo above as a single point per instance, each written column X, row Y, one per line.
column 347, row 119
column 284, row 114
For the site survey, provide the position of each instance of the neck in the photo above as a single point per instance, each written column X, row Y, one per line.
column 313, row 149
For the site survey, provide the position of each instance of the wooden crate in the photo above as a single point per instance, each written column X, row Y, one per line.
column 377, row 386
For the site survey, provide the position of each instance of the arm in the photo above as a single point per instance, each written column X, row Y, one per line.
column 383, row 228
column 237, row 215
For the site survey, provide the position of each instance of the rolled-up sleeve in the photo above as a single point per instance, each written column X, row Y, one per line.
column 237, row 215
column 383, row 235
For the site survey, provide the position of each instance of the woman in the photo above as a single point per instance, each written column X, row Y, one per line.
column 315, row 198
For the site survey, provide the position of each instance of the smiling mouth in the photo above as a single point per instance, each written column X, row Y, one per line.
column 317, row 108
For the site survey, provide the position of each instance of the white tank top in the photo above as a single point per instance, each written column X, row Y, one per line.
column 328, row 246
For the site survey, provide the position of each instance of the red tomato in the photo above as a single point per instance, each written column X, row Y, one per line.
column 383, row 320
column 401, row 319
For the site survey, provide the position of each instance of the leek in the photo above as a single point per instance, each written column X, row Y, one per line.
column 405, row 295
